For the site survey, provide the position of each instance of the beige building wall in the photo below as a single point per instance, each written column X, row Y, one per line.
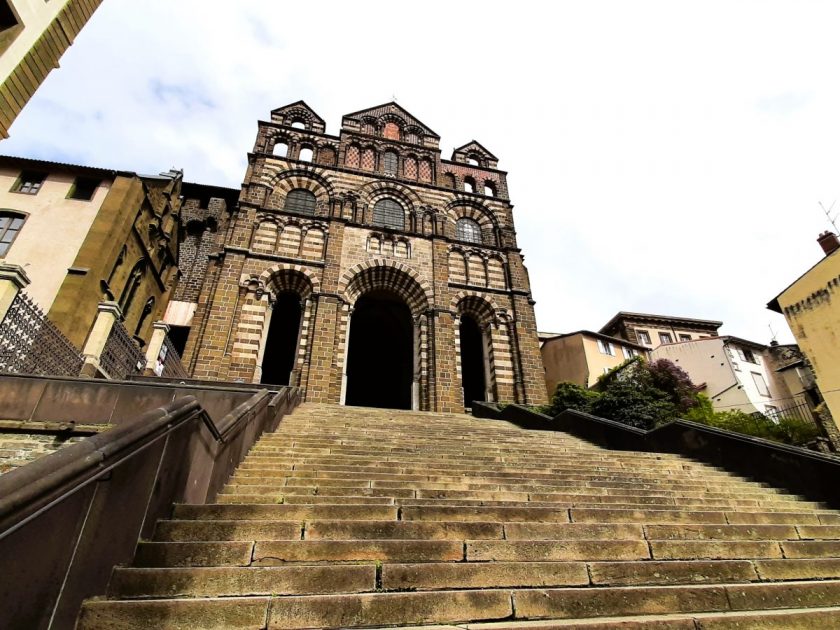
column 53, row 232
column 576, row 358
column 31, row 48
column 675, row 333
column 34, row 16
column 811, row 306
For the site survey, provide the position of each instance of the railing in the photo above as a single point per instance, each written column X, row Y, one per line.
column 68, row 518
column 31, row 344
column 121, row 357
column 172, row 366
column 799, row 411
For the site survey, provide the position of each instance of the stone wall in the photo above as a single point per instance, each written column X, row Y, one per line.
column 17, row 449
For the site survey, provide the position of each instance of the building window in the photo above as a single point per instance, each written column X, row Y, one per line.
column 300, row 200
column 760, row 384
column 665, row 338
column 10, row 224
column 30, row 182
column 8, row 19
column 747, row 355
column 685, row 337
column 468, row 230
column 489, row 189
column 388, row 213
column 281, row 149
column 84, row 188
column 472, row 160
column 390, row 163
column 606, row 347
column 469, row 185
column 298, row 123
column 643, row 337
column 449, row 180
column 628, row 353
column 305, row 154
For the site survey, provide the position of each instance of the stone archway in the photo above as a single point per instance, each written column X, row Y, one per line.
column 386, row 361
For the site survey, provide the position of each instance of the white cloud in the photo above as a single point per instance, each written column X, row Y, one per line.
column 664, row 157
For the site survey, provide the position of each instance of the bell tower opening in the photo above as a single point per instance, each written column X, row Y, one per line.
column 281, row 344
column 380, row 356
column 473, row 362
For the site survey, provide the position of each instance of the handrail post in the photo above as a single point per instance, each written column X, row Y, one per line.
column 13, row 280
column 154, row 364
column 108, row 314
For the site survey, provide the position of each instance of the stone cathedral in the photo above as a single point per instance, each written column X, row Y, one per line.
column 365, row 268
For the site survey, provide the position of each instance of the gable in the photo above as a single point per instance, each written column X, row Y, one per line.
column 389, row 112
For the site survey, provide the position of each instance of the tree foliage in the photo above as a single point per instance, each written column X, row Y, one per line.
column 645, row 395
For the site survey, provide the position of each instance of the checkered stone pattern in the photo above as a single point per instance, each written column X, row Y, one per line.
column 334, row 254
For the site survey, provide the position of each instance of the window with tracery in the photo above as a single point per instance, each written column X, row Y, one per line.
column 389, row 213
column 300, row 200
column 468, row 230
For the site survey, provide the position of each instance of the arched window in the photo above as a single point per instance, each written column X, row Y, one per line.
column 281, row 149
column 300, row 200
column 468, row 230
column 388, row 213
column 390, row 163
column 489, row 189
column 298, row 123
column 449, row 180
column 305, row 154
column 469, row 185
column 472, row 160
column 10, row 225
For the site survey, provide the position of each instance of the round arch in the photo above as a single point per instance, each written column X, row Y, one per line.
column 387, row 275
column 290, row 278
column 280, row 184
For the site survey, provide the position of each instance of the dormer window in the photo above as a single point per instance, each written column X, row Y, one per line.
column 472, row 160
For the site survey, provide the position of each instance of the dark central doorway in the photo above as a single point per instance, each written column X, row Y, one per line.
column 380, row 363
column 281, row 345
column 473, row 374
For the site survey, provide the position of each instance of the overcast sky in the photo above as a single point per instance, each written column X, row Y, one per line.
column 664, row 157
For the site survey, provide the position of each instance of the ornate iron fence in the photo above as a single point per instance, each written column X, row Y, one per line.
column 121, row 356
column 800, row 411
column 172, row 366
column 31, row 344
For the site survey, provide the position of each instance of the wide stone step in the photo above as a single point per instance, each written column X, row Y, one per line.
column 710, row 603
column 287, row 512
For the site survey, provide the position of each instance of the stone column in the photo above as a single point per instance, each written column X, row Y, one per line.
column 159, row 332
column 108, row 314
column 13, row 280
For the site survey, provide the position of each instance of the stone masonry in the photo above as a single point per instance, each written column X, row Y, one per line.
column 448, row 250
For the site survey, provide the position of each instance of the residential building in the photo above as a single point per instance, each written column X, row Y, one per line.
column 736, row 374
column 811, row 306
column 85, row 235
column 33, row 36
column 369, row 270
column 583, row 356
column 651, row 331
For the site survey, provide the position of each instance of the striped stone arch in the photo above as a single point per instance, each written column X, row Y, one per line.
column 482, row 307
column 379, row 273
column 309, row 177
column 460, row 208
column 294, row 278
column 371, row 192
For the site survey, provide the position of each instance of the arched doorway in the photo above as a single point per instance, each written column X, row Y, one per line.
column 282, row 341
column 473, row 361
column 380, row 355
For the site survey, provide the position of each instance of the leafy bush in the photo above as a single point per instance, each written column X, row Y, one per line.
column 571, row 396
column 626, row 402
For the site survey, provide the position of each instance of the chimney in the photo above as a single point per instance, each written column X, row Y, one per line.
column 829, row 242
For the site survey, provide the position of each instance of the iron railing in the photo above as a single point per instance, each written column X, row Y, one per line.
column 31, row 344
column 172, row 366
column 121, row 356
column 800, row 411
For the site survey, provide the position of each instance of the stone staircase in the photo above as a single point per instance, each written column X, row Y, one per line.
column 350, row 517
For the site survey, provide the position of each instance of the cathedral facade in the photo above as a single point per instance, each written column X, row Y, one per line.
column 368, row 270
